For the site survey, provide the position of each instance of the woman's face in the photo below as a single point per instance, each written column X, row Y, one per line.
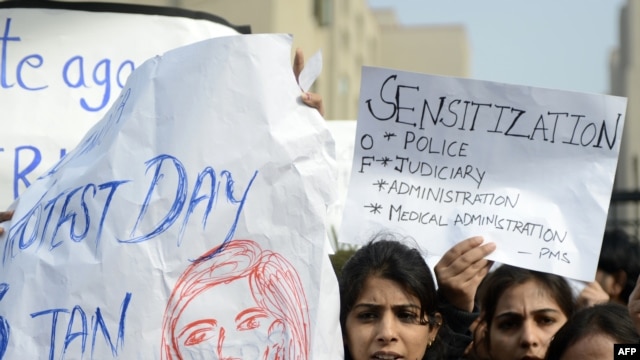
column 208, row 329
column 385, row 323
column 525, row 320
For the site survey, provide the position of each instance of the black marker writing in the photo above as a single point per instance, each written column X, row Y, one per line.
column 446, row 196
column 551, row 126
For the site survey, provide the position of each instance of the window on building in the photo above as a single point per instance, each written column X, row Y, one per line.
column 323, row 12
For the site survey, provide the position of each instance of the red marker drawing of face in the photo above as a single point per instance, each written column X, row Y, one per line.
column 205, row 327
column 271, row 320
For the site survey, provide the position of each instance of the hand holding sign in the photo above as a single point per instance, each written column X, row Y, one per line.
column 592, row 294
column 461, row 270
column 312, row 99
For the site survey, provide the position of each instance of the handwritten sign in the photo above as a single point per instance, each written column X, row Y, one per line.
column 443, row 159
column 343, row 132
column 188, row 223
column 61, row 70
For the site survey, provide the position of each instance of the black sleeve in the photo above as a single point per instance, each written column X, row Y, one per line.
column 454, row 335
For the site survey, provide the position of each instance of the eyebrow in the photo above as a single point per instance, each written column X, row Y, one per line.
column 203, row 323
column 535, row 312
column 252, row 312
column 400, row 306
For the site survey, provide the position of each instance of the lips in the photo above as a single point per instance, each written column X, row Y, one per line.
column 385, row 355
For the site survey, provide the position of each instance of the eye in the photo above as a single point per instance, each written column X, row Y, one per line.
column 250, row 319
column 249, row 323
column 408, row 316
column 546, row 320
column 366, row 315
column 199, row 331
column 508, row 324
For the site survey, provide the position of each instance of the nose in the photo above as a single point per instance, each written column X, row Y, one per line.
column 387, row 330
column 228, row 349
column 224, row 352
column 529, row 337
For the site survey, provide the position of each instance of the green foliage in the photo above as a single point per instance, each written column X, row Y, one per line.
column 342, row 253
column 339, row 258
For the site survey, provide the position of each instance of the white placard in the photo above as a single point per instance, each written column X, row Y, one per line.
column 61, row 70
column 442, row 159
column 188, row 223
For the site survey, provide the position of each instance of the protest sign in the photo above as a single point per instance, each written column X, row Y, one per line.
column 343, row 132
column 443, row 159
column 188, row 223
column 63, row 64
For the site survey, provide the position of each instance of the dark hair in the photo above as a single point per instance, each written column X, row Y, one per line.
column 610, row 319
column 620, row 252
column 506, row 276
column 388, row 258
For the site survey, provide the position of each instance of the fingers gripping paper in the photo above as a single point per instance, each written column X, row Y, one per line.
column 188, row 223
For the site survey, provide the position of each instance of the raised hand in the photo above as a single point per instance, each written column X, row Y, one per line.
column 311, row 99
column 461, row 270
column 592, row 294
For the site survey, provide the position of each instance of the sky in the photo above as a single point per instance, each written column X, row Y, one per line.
column 558, row 44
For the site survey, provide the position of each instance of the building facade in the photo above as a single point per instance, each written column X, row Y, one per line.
column 349, row 34
column 625, row 81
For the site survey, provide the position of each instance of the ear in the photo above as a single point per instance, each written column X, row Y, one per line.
column 435, row 324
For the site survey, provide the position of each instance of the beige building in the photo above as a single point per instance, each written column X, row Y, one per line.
column 349, row 34
column 625, row 81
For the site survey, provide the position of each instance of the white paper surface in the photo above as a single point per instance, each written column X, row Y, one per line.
column 61, row 70
column 114, row 253
column 443, row 159
column 311, row 71
column 343, row 132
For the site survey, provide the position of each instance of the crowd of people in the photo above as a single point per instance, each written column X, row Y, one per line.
column 392, row 307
